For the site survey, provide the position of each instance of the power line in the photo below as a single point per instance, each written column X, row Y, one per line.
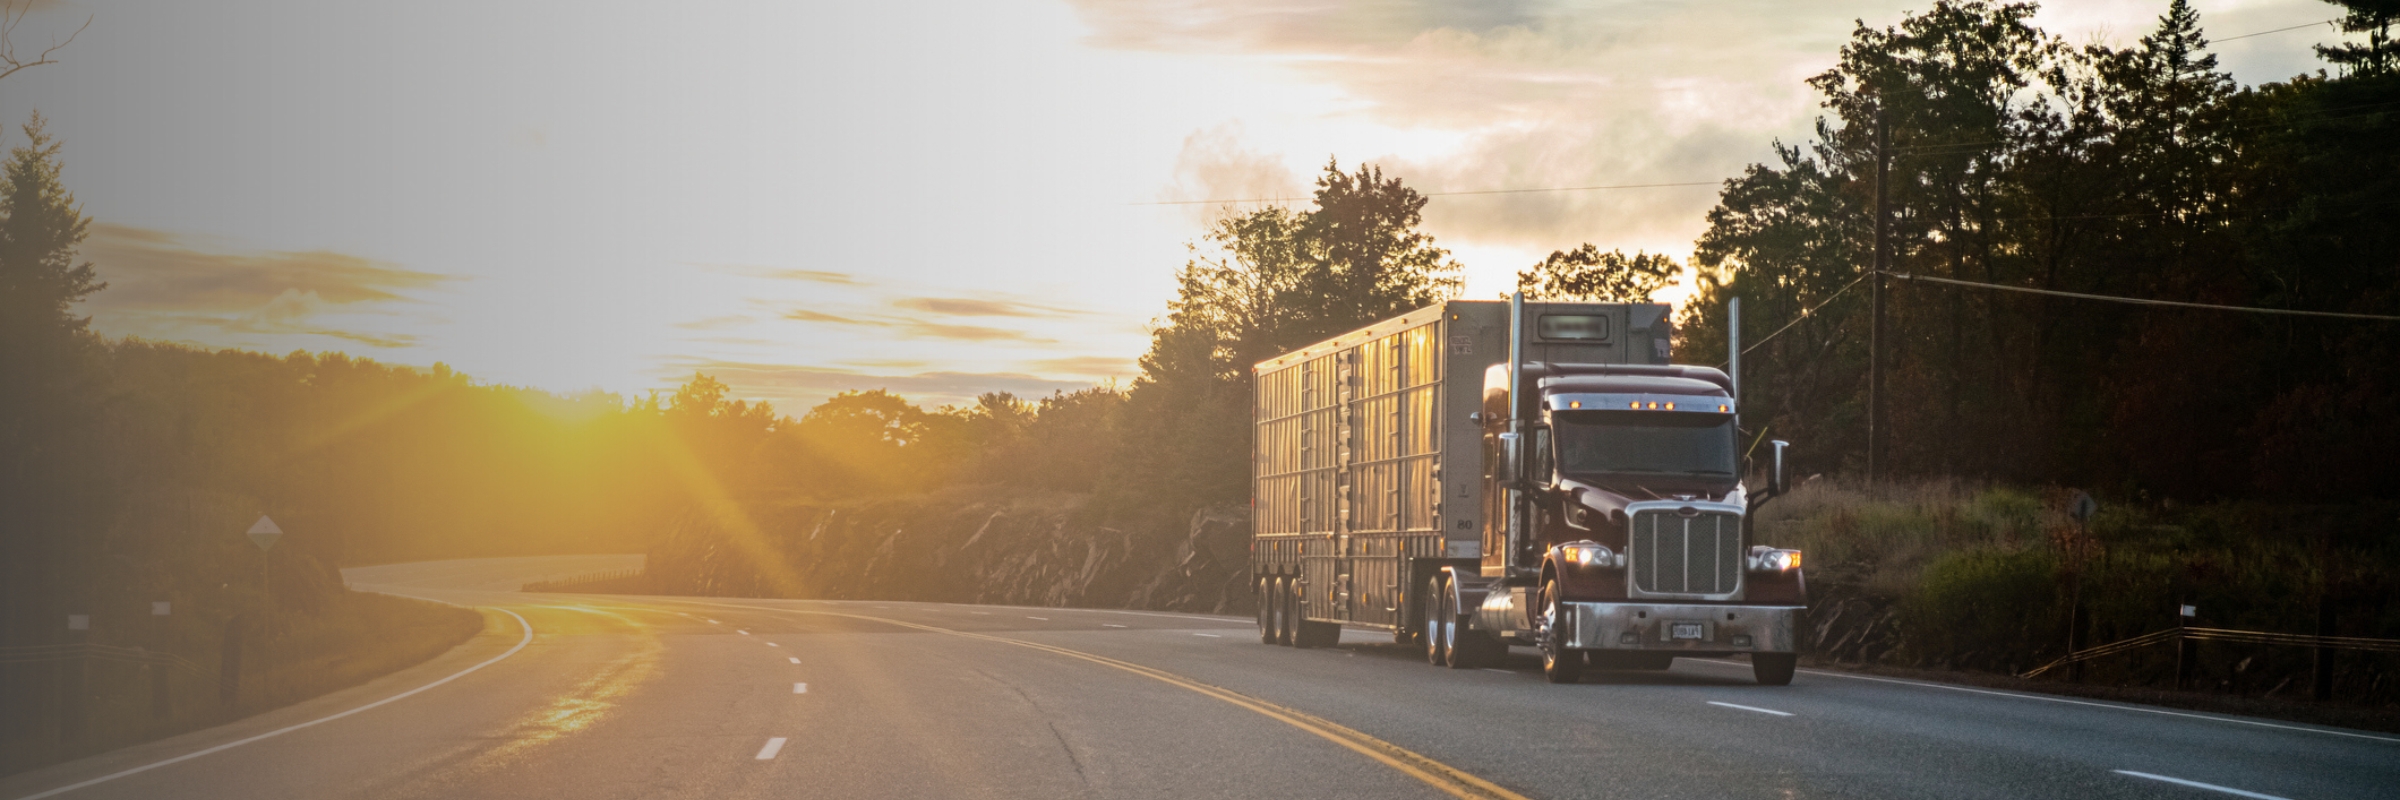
column 2277, row 30
column 2141, row 301
column 1449, row 194
column 1804, row 314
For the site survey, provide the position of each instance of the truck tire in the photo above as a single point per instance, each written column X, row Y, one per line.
column 1287, row 596
column 1438, row 620
column 1266, row 611
column 1774, row 669
column 1559, row 664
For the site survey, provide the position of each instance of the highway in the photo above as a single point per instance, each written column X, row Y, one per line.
column 599, row 696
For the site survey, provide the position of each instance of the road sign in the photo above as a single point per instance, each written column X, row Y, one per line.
column 264, row 533
column 2082, row 507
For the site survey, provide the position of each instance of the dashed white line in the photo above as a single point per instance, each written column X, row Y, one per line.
column 2198, row 785
column 742, row 632
column 714, row 622
column 980, row 613
column 772, row 644
column 795, row 659
column 1209, row 635
column 1752, row 708
column 1044, row 619
column 774, row 745
column 2061, row 700
column 799, row 688
column 1110, row 625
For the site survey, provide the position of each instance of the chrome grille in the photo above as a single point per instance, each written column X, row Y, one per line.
column 1674, row 554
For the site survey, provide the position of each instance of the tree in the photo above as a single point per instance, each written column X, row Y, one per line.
column 2379, row 55
column 1259, row 284
column 1587, row 274
column 40, row 229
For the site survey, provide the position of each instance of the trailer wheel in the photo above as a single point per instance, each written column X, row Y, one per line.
column 1774, row 669
column 1266, row 611
column 1438, row 618
column 1559, row 664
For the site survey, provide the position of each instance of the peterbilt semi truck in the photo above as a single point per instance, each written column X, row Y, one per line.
column 1481, row 474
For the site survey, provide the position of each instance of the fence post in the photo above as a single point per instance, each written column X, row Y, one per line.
column 2321, row 673
column 2185, row 649
column 229, row 666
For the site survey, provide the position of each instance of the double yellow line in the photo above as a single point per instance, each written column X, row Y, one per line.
column 1451, row 780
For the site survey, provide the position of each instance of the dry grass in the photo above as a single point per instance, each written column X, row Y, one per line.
column 1882, row 539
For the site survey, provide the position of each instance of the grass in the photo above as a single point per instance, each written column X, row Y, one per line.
column 1946, row 574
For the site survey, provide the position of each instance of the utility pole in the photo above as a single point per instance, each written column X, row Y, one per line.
column 1883, row 169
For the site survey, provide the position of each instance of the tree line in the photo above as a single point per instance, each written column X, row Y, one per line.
column 2013, row 158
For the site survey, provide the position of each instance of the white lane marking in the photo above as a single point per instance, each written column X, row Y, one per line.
column 1209, row 635
column 742, row 632
column 1752, row 708
column 1044, row 619
column 795, row 659
column 2065, row 701
column 980, row 613
column 2198, row 785
column 1110, row 625
column 714, row 622
column 528, row 639
column 774, row 745
column 772, row 644
column 799, row 688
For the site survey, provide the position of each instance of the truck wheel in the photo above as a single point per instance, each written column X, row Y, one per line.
column 1266, row 611
column 1774, row 669
column 1287, row 627
column 1438, row 618
column 1559, row 664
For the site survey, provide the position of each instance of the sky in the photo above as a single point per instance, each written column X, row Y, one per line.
column 936, row 198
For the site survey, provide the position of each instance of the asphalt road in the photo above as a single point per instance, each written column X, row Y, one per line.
column 598, row 696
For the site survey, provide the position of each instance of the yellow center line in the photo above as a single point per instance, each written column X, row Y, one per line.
column 1450, row 780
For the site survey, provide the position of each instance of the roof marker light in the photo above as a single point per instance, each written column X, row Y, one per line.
column 1670, row 406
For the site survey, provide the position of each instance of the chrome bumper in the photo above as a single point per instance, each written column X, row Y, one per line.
column 1722, row 629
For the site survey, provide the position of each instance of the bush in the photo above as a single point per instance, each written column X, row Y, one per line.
column 1986, row 609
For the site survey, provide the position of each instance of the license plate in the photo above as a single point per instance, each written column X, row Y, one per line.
column 1685, row 630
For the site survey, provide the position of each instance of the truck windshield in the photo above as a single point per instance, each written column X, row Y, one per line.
column 1644, row 443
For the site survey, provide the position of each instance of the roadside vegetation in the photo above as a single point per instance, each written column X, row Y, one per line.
column 1948, row 575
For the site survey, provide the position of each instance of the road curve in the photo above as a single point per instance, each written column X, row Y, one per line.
column 600, row 696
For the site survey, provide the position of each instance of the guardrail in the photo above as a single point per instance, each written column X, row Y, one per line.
column 2187, row 635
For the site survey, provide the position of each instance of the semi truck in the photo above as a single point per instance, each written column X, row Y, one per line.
column 1477, row 475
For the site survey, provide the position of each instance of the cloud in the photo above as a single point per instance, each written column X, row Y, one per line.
column 157, row 271
column 716, row 323
column 805, row 315
column 970, row 333
column 1513, row 95
column 785, row 273
column 795, row 388
column 167, row 287
column 966, row 307
column 1088, row 366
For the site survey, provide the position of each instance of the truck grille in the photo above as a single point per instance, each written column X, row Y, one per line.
column 1674, row 554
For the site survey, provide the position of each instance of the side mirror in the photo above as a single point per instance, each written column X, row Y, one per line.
column 1512, row 452
column 1780, row 480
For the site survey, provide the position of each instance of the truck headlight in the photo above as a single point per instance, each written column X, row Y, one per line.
column 1591, row 555
column 1765, row 559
